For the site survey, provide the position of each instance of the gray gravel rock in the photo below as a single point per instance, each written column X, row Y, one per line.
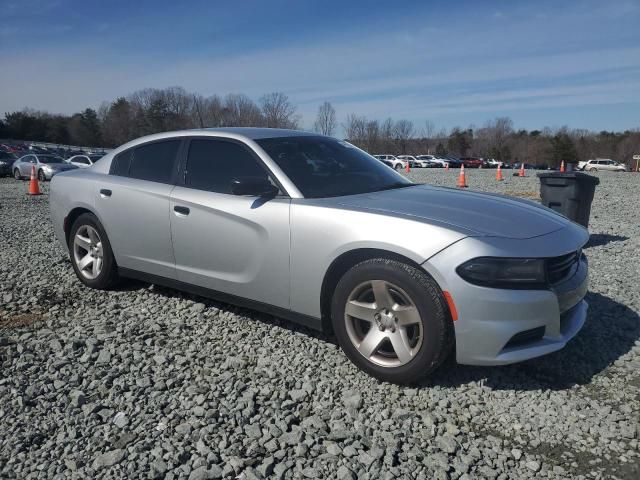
column 146, row 382
column 108, row 459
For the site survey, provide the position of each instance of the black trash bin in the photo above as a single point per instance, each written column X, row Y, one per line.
column 569, row 193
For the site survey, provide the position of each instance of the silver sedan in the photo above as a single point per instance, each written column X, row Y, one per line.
column 45, row 166
column 314, row 230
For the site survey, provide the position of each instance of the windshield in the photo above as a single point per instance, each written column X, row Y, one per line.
column 325, row 167
column 49, row 159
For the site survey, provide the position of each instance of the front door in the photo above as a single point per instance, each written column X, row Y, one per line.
column 234, row 244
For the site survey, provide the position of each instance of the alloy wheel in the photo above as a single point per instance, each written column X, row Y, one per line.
column 41, row 176
column 383, row 323
column 87, row 252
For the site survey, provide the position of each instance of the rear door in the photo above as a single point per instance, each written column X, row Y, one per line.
column 133, row 204
column 233, row 244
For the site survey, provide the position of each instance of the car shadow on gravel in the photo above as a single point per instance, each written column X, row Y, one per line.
column 249, row 314
column 599, row 239
column 610, row 331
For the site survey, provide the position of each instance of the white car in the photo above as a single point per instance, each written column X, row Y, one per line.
column 602, row 164
column 439, row 162
column 493, row 163
column 84, row 161
column 392, row 160
column 413, row 161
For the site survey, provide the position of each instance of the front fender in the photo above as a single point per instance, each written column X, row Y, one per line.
column 319, row 235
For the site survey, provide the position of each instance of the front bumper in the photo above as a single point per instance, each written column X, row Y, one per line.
column 499, row 327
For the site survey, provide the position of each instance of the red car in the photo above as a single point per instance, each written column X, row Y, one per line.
column 471, row 162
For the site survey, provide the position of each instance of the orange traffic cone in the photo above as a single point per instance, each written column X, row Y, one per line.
column 499, row 176
column 562, row 166
column 408, row 167
column 462, row 181
column 521, row 173
column 34, row 187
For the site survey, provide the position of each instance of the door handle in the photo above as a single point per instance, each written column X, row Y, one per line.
column 183, row 211
column 105, row 192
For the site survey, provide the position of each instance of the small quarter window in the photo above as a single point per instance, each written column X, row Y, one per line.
column 121, row 163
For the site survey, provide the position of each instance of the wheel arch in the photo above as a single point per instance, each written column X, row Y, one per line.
column 341, row 265
column 71, row 218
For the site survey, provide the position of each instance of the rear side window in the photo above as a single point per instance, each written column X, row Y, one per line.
column 213, row 164
column 155, row 162
column 121, row 163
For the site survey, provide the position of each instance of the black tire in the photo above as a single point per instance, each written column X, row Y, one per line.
column 108, row 277
column 438, row 337
column 398, row 166
column 16, row 174
column 41, row 176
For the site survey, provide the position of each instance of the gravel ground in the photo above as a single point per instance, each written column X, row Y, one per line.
column 147, row 382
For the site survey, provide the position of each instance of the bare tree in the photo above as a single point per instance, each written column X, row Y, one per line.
column 326, row 120
column 492, row 138
column 278, row 111
column 403, row 132
column 355, row 128
column 212, row 111
column 240, row 111
column 428, row 133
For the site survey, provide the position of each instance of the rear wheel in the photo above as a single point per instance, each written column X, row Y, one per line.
column 91, row 254
column 391, row 320
column 16, row 174
column 398, row 166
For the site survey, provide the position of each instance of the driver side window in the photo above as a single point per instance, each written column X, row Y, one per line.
column 213, row 164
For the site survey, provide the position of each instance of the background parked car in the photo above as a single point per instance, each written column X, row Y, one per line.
column 395, row 161
column 471, row 162
column 6, row 162
column 434, row 160
column 84, row 161
column 413, row 162
column 46, row 166
column 602, row 164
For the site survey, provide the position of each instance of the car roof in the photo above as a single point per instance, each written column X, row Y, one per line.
column 256, row 133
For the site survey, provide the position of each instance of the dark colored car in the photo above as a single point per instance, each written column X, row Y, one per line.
column 6, row 162
column 453, row 161
column 471, row 162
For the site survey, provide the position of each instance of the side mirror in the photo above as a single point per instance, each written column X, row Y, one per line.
column 253, row 186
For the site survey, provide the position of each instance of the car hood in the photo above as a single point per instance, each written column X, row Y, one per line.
column 472, row 213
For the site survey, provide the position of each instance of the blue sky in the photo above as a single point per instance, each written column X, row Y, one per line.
column 543, row 63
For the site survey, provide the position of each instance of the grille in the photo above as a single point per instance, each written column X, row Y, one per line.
column 563, row 267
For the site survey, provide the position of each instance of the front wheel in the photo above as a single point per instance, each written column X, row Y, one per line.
column 593, row 170
column 91, row 254
column 16, row 174
column 391, row 320
column 398, row 166
column 41, row 176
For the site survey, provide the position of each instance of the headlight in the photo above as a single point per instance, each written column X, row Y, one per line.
column 47, row 168
column 505, row 272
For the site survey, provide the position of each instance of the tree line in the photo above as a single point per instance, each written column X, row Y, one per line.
column 157, row 110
